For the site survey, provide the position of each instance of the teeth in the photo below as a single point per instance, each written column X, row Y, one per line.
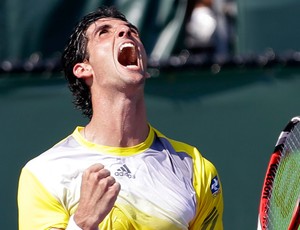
column 126, row 45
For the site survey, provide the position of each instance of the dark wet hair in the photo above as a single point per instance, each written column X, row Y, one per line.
column 76, row 52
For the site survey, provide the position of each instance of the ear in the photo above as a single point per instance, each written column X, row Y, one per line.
column 82, row 70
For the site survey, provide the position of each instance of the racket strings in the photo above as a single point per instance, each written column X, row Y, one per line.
column 286, row 187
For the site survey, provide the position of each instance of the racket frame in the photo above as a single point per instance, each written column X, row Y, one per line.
column 269, row 181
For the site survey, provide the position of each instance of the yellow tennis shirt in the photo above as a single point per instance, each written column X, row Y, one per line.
column 165, row 184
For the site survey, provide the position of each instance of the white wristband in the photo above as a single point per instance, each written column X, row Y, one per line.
column 72, row 225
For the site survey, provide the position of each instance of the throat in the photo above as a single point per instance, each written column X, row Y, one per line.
column 123, row 130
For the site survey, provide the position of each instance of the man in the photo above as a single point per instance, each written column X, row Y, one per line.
column 117, row 172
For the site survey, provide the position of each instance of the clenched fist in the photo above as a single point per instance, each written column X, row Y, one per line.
column 98, row 193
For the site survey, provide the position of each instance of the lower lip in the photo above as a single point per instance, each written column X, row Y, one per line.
column 132, row 67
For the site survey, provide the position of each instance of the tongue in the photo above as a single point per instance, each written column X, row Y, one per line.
column 127, row 57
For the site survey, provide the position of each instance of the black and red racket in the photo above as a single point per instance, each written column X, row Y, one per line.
column 280, row 197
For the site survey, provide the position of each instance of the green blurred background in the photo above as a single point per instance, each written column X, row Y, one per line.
column 232, row 111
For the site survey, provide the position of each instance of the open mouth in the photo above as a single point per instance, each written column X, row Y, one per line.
column 127, row 55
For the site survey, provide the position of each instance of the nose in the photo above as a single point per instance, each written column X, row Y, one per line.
column 124, row 31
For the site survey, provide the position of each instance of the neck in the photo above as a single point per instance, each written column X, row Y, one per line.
column 118, row 122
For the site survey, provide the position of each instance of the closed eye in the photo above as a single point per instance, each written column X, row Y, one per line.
column 134, row 30
column 102, row 29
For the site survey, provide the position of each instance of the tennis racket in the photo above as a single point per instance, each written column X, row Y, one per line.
column 279, row 207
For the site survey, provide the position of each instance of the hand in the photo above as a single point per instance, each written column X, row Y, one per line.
column 98, row 193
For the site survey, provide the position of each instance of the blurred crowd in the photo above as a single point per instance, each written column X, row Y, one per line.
column 210, row 27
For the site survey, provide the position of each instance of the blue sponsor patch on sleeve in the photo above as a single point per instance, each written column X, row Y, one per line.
column 215, row 186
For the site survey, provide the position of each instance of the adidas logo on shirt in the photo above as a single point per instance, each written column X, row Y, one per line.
column 124, row 171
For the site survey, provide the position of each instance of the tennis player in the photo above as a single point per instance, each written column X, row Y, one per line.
column 117, row 172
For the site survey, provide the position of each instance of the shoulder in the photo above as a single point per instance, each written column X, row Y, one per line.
column 56, row 169
column 63, row 161
column 179, row 146
column 61, row 152
column 49, row 155
column 205, row 175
